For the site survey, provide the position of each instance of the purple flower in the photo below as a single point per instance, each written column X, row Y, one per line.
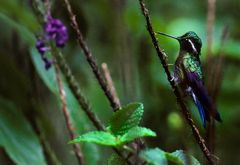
column 55, row 30
column 40, row 45
column 48, row 63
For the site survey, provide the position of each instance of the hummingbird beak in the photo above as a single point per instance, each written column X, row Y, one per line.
column 168, row 35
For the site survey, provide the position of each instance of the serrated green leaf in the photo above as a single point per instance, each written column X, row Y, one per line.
column 98, row 137
column 154, row 156
column 136, row 132
column 181, row 158
column 115, row 159
column 126, row 118
column 17, row 136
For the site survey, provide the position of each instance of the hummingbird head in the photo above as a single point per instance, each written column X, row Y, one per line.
column 189, row 42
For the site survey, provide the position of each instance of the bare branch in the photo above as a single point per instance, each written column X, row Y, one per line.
column 90, row 58
column 110, row 84
column 210, row 25
column 73, row 85
column 70, row 128
column 180, row 102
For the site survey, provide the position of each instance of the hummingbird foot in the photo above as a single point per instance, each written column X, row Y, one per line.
column 189, row 90
column 164, row 54
column 173, row 79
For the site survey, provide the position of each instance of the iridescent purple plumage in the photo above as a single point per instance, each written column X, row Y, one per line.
column 188, row 75
column 202, row 100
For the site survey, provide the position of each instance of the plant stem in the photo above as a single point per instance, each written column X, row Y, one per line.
column 73, row 85
column 180, row 101
column 70, row 128
column 110, row 84
column 46, row 145
column 82, row 101
column 210, row 25
column 210, row 72
column 214, row 87
column 219, row 65
column 90, row 58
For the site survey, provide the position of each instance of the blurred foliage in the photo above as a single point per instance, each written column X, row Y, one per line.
column 116, row 34
column 156, row 156
column 123, row 128
column 17, row 136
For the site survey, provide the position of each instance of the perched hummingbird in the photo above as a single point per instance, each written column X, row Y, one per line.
column 188, row 75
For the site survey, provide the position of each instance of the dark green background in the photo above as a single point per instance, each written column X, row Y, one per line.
column 115, row 32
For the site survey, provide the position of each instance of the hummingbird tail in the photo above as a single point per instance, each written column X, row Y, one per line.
column 200, row 109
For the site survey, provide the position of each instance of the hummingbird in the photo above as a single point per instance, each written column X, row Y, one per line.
column 188, row 75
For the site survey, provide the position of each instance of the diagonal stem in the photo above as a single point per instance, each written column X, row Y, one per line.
column 70, row 128
column 180, row 101
column 73, row 85
column 90, row 58
column 110, row 84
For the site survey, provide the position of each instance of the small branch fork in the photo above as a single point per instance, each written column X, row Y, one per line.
column 104, row 85
column 180, row 101
column 90, row 58
column 76, row 90
column 70, row 128
column 110, row 84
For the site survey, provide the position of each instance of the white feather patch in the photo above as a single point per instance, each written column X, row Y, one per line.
column 192, row 45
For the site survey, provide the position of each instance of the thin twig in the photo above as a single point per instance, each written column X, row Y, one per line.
column 47, row 148
column 214, row 87
column 110, row 84
column 81, row 99
column 210, row 72
column 70, row 128
column 210, row 25
column 90, row 58
column 219, row 64
column 180, row 101
column 73, row 85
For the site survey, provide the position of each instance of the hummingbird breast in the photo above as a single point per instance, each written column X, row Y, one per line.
column 178, row 70
column 186, row 63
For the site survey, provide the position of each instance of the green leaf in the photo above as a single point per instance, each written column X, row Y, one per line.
column 108, row 139
column 11, row 25
column 98, row 137
column 154, row 156
column 79, row 118
column 116, row 160
column 180, row 158
column 157, row 156
column 126, row 118
column 17, row 137
column 136, row 132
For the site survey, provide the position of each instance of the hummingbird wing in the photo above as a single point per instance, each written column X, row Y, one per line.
column 193, row 75
column 203, row 101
